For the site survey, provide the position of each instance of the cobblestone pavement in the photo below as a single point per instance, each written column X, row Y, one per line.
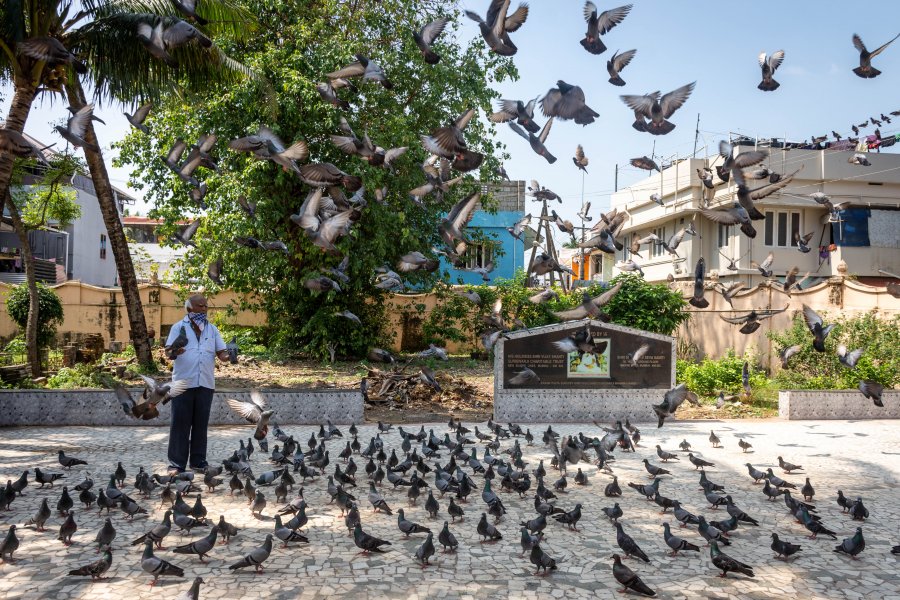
column 858, row 457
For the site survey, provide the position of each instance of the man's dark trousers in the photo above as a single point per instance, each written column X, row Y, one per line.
column 187, row 431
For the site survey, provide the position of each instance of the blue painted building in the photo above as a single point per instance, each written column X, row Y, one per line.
column 500, row 247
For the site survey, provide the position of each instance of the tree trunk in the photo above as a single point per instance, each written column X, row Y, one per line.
column 31, row 327
column 116, row 233
column 15, row 120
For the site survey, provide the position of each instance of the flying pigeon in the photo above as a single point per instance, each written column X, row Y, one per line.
column 697, row 300
column 769, row 64
column 656, row 111
column 76, row 128
column 139, row 116
column 363, row 67
column 566, row 102
column 51, row 51
column 156, row 391
column 426, row 36
column 615, row 64
column 581, row 161
column 496, row 26
column 600, row 23
column 537, row 141
column 518, row 111
column 865, row 68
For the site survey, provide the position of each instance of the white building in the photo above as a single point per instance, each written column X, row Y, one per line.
column 147, row 254
column 80, row 251
column 865, row 236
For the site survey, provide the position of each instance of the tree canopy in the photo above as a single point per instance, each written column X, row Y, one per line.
column 301, row 42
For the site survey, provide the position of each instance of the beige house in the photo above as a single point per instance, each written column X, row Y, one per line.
column 865, row 237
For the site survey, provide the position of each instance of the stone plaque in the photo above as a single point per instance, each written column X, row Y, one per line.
column 601, row 359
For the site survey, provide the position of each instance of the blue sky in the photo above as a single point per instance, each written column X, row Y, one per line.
column 712, row 42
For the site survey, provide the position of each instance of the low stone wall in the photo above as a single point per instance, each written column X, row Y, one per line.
column 576, row 406
column 836, row 404
column 100, row 407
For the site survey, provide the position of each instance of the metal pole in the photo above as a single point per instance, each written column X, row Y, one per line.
column 537, row 230
column 616, row 186
column 581, row 271
column 696, row 135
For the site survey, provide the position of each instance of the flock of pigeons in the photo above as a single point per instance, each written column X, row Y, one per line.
column 439, row 470
column 337, row 199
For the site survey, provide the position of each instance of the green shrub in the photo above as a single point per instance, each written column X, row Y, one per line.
column 81, row 376
column 50, row 311
column 638, row 304
column 16, row 345
column 809, row 369
column 709, row 377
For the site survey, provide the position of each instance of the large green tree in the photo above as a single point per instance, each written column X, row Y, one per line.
column 115, row 66
column 301, row 42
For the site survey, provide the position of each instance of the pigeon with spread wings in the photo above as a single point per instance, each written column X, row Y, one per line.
column 266, row 145
column 537, row 141
column 865, row 68
column 76, row 128
column 581, row 161
column 750, row 322
column 656, row 111
column 496, row 25
column 453, row 225
column 566, row 101
column 768, row 64
column 518, row 111
column 817, row 327
column 600, row 23
column 426, row 36
column 363, row 67
column 156, row 391
column 448, row 142
column 254, row 411
column 616, row 64
column 580, row 312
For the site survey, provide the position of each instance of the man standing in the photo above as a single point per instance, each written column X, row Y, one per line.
column 195, row 362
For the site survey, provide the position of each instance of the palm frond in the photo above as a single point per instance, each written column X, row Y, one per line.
column 123, row 69
column 226, row 17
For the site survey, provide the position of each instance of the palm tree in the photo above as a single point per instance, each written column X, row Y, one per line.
column 107, row 50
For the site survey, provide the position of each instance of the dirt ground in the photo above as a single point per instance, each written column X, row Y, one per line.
column 467, row 385
column 467, row 388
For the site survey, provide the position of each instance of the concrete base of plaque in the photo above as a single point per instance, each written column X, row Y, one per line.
column 612, row 373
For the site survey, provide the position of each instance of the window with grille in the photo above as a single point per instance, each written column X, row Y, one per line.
column 102, row 247
column 656, row 250
column 479, row 256
column 724, row 235
column 782, row 228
